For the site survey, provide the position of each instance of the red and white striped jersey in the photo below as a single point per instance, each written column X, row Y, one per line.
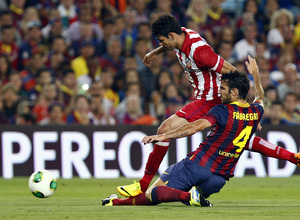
column 201, row 64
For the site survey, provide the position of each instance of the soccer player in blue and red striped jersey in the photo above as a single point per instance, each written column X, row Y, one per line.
column 204, row 69
column 205, row 171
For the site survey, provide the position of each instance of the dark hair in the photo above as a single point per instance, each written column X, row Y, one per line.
column 237, row 80
column 67, row 71
column 41, row 70
column 5, row 12
column 6, row 27
column 54, row 104
column 277, row 102
column 165, row 24
column 289, row 94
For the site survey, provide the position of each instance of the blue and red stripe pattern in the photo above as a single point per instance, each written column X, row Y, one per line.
column 233, row 126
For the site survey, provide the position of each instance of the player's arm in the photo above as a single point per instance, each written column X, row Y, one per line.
column 227, row 67
column 182, row 131
column 205, row 57
column 254, row 71
column 152, row 55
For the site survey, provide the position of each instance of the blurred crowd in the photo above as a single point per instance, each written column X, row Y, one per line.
column 80, row 61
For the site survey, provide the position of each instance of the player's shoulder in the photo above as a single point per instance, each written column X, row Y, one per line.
column 221, row 107
column 257, row 104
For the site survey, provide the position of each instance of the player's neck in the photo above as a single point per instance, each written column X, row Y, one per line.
column 241, row 101
column 181, row 39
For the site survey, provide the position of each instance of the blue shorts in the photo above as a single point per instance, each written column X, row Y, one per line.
column 186, row 174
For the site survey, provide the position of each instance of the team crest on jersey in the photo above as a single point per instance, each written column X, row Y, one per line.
column 188, row 63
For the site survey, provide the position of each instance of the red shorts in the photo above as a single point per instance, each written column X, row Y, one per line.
column 197, row 109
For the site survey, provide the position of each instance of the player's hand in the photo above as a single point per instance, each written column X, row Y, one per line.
column 148, row 58
column 259, row 127
column 151, row 139
column 252, row 66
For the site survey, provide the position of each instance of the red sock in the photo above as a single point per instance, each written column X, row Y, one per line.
column 136, row 200
column 271, row 150
column 168, row 194
column 155, row 158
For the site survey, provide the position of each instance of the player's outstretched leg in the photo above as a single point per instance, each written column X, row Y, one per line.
column 297, row 157
column 113, row 200
column 154, row 160
column 167, row 194
column 109, row 200
column 271, row 150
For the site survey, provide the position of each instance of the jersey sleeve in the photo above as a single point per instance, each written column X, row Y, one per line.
column 205, row 57
column 217, row 115
column 259, row 106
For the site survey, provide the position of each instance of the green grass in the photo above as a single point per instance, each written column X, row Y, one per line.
column 241, row 198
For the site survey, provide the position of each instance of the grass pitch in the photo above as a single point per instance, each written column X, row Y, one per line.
column 241, row 198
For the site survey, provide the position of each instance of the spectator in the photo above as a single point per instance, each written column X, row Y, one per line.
column 132, row 88
column 108, row 31
column 8, row 45
column 36, row 62
column 30, row 15
column 54, row 31
column 163, row 79
column 134, row 114
column 197, row 12
column 290, row 77
column 129, row 33
column 225, row 50
column 25, row 119
column 280, row 19
column 251, row 8
column 102, row 10
column 16, row 81
column 290, row 113
column 148, row 75
column 275, row 117
column 16, row 8
column 42, row 77
column 271, row 93
column 80, row 113
column 246, row 46
column 133, row 110
column 97, row 114
column 5, row 69
column 141, row 49
column 10, row 101
column 140, row 7
column 145, row 32
column 113, row 58
column 107, row 82
column 56, row 115
column 85, row 17
column 80, row 64
column 47, row 97
column 68, row 89
column 33, row 42
column 262, row 51
column 67, row 11
column 216, row 20
column 6, row 19
column 86, row 35
column 97, row 89
column 270, row 7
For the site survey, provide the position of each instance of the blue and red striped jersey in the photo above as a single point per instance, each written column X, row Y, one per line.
column 233, row 126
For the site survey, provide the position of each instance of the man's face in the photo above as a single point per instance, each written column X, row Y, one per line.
column 225, row 93
column 167, row 43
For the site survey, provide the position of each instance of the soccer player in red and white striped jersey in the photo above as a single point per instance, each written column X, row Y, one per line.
column 204, row 69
